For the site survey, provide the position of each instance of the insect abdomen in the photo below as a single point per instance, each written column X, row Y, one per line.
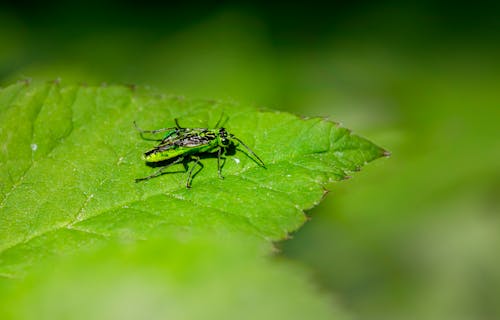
column 157, row 155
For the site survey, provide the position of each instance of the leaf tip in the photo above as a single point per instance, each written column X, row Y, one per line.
column 131, row 86
column 56, row 81
column 27, row 81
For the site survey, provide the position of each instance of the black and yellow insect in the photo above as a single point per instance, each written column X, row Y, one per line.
column 181, row 145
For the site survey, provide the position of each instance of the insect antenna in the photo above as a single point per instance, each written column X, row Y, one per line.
column 219, row 122
column 251, row 152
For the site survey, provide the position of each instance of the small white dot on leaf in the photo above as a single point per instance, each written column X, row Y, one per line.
column 34, row 146
column 236, row 160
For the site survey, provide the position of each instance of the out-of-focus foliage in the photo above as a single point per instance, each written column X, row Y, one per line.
column 416, row 238
column 199, row 277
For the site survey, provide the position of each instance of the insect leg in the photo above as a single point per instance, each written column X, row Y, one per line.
column 152, row 131
column 177, row 124
column 160, row 172
column 190, row 174
column 219, row 167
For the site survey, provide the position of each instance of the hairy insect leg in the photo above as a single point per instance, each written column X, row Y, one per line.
column 219, row 167
column 190, row 173
column 160, row 172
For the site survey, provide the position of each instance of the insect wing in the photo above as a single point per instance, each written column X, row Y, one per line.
column 182, row 142
column 195, row 138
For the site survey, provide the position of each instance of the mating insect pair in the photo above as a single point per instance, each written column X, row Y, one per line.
column 181, row 145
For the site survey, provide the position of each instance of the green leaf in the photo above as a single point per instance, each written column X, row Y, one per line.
column 70, row 155
column 73, row 221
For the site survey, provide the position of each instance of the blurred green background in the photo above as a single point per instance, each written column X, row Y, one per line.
column 415, row 236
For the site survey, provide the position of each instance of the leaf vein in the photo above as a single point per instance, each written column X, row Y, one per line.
column 245, row 218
